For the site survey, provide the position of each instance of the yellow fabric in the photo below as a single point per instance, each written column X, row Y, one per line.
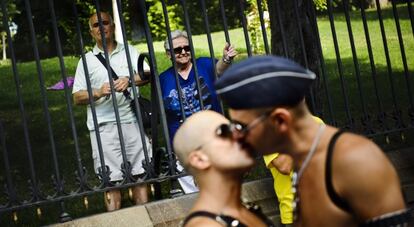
column 283, row 187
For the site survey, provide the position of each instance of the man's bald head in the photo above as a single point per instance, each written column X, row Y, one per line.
column 196, row 131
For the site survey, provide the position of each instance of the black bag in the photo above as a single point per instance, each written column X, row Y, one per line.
column 144, row 104
column 145, row 107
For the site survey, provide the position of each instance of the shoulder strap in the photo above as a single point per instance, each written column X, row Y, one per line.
column 102, row 60
column 113, row 73
column 336, row 199
column 397, row 218
column 222, row 219
column 198, row 214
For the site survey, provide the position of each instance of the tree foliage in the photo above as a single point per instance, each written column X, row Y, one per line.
column 254, row 24
column 11, row 12
column 157, row 21
column 320, row 5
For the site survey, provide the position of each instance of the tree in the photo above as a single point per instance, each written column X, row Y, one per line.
column 287, row 28
column 11, row 11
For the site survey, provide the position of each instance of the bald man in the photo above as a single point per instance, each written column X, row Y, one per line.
column 103, row 101
column 205, row 146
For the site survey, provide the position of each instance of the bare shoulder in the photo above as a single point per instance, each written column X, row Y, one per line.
column 365, row 177
column 352, row 149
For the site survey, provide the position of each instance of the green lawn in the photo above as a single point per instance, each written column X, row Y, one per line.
column 384, row 85
column 39, row 140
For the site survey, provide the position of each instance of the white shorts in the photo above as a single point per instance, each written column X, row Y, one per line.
column 111, row 148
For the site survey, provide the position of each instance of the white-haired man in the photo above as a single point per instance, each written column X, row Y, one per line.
column 101, row 90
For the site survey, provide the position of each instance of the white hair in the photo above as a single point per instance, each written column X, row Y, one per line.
column 174, row 34
column 111, row 22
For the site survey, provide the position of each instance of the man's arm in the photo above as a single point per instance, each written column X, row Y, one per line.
column 229, row 52
column 82, row 97
column 365, row 178
column 139, row 81
column 283, row 163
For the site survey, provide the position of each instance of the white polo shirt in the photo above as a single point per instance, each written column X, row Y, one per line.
column 98, row 75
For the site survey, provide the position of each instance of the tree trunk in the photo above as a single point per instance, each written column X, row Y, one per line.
column 290, row 33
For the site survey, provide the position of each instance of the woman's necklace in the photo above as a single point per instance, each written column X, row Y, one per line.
column 297, row 175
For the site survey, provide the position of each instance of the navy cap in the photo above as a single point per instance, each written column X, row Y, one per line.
column 264, row 81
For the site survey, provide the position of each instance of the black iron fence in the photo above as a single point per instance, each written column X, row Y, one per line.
column 365, row 66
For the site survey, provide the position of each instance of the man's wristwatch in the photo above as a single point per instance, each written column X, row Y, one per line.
column 227, row 60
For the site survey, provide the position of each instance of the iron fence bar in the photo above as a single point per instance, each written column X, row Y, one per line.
column 396, row 114
column 193, row 57
column 381, row 114
column 67, row 94
column 9, row 186
column 263, row 26
column 59, row 185
column 244, row 25
column 142, row 7
column 224, row 18
column 322, row 64
column 28, row 204
column 303, row 48
column 171, row 157
column 339, row 63
column 177, row 79
column 134, row 91
column 366, row 118
column 36, row 194
column 210, row 44
column 282, row 30
column 403, row 56
column 57, row 180
column 126, row 166
column 104, row 174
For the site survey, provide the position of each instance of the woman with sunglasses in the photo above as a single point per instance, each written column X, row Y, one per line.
column 189, row 86
column 206, row 147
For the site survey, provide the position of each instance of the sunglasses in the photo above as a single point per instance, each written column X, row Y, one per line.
column 227, row 131
column 104, row 23
column 179, row 50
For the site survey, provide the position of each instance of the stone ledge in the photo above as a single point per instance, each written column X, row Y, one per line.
column 169, row 212
column 132, row 216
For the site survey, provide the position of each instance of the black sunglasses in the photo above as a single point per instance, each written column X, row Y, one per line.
column 179, row 50
column 226, row 131
column 104, row 22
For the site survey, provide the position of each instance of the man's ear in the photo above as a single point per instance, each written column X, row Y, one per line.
column 198, row 160
column 282, row 118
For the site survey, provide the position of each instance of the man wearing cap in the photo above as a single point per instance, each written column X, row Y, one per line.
column 340, row 179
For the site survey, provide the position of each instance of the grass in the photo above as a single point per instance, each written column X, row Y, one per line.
column 37, row 127
column 349, row 74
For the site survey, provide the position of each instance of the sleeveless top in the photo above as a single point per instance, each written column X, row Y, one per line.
column 336, row 199
column 397, row 218
column 230, row 221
